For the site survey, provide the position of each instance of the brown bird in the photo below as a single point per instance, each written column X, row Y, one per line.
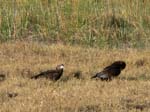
column 110, row 71
column 51, row 74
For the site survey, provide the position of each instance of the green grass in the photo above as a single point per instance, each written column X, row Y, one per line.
column 85, row 22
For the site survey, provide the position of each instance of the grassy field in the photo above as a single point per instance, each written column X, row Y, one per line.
column 19, row 60
column 96, row 23
column 84, row 35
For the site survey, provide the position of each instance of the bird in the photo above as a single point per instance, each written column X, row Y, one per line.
column 51, row 74
column 111, row 71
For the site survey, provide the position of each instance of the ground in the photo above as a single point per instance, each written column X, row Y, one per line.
column 21, row 60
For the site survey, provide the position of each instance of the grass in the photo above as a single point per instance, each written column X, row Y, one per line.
column 22, row 59
column 89, row 23
column 84, row 35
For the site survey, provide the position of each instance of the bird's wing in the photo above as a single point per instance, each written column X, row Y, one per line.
column 112, row 70
column 44, row 74
column 109, row 68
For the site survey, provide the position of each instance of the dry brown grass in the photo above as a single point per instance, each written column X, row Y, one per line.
column 21, row 60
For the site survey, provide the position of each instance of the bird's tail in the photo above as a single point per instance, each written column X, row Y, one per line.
column 36, row 76
column 93, row 76
column 33, row 77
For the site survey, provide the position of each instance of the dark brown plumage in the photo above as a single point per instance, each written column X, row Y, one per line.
column 110, row 71
column 51, row 74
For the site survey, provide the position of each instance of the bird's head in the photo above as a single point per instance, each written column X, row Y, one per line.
column 121, row 64
column 59, row 67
